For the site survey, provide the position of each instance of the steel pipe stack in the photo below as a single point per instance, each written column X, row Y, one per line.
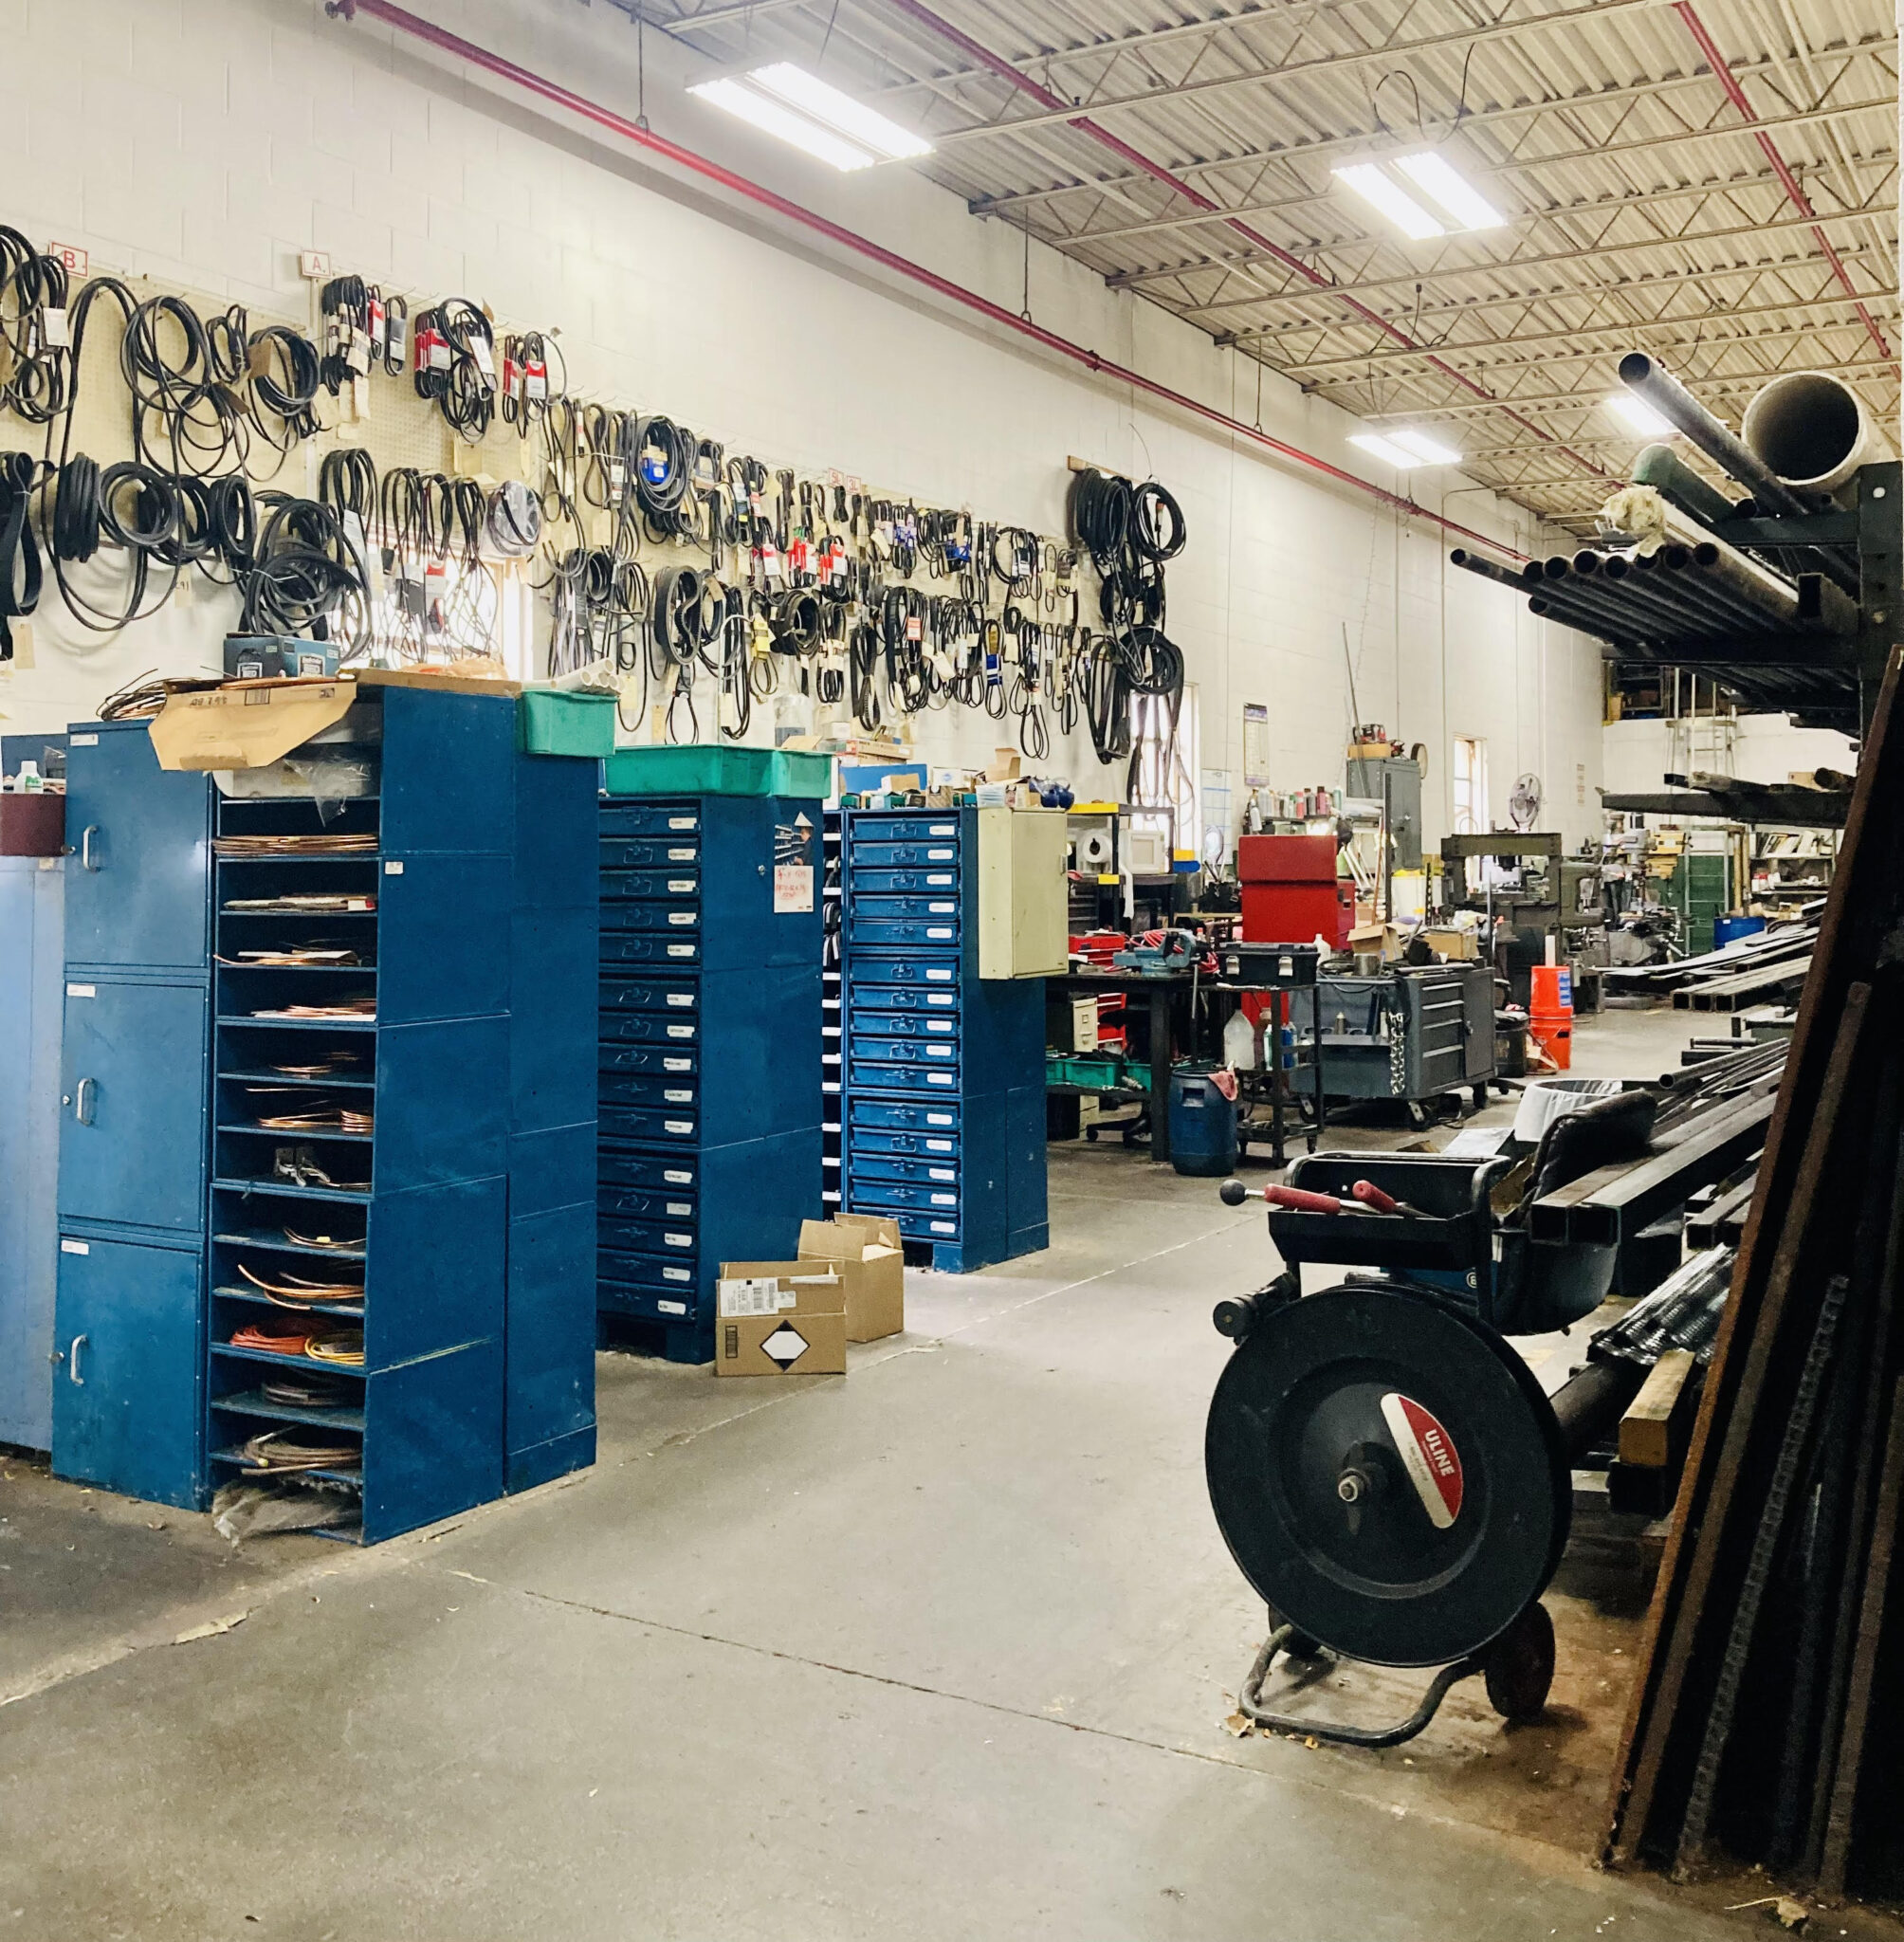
column 1775, row 629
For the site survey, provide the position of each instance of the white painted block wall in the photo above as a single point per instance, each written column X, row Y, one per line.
column 203, row 142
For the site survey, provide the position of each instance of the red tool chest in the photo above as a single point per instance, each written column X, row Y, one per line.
column 1291, row 891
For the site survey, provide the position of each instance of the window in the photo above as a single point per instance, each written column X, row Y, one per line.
column 1470, row 785
column 1166, row 751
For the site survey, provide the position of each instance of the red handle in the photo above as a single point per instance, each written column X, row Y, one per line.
column 1302, row 1200
column 1371, row 1196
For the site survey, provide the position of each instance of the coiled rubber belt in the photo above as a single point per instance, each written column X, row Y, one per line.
column 20, row 570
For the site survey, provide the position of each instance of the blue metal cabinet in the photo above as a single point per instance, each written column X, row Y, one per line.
column 132, row 1093
column 941, row 1072
column 709, row 1061
column 549, row 1339
column 137, row 890
column 30, row 921
column 133, row 1143
column 126, row 1396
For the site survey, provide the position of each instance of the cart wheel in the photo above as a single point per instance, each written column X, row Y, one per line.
column 1090, row 1134
column 1520, row 1666
column 1418, row 1116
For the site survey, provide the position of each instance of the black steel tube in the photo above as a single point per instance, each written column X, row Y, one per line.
column 1622, row 633
column 1726, row 570
column 1699, row 615
column 1588, row 1406
column 1770, row 494
column 1665, row 622
column 1711, row 595
column 1672, row 402
column 1589, row 597
column 1488, row 569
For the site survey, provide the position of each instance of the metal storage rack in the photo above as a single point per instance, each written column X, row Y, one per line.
column 407, row 1199
column 710, row 1102
column 129, row 1307
column 944, row 1093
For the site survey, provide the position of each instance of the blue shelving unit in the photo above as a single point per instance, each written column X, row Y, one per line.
column 410, row 1123
column 129, row 1314
column 401, row 1193
column 944, row 1104
column 710, row 1054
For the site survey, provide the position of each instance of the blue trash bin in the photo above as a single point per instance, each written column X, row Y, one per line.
column 1203, row 1122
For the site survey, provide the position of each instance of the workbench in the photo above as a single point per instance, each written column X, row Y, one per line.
column 1160, row 991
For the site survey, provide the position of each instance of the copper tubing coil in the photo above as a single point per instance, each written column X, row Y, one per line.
column 295, row 1290
column 295, row 1450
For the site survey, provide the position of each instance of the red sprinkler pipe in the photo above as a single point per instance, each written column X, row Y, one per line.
column 581, row 105
column 1723, row 74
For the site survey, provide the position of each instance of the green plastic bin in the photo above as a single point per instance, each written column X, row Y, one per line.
column 799, row 772
column 712, row 769
column 553, row 722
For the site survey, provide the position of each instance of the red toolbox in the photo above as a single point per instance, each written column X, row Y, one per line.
column 1290, row 891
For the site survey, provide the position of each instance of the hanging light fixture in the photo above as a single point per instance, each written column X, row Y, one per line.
column 786, row 100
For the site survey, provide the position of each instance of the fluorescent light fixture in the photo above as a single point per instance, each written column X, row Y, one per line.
column 1404, row 448
column 1639, row 416
column 839, row 111
column 1384, row 449
column 772, row 118
column 1393, row 200
column 1443, row 186
column 1427, row 452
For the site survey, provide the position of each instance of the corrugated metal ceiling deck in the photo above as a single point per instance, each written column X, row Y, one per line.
column 1645, row 212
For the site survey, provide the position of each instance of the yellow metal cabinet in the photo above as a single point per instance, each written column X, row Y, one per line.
column 1023, row 892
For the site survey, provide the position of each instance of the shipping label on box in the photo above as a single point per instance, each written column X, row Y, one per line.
column 780, row 1318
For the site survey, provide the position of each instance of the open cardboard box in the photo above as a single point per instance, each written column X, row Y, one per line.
column 865, row 1250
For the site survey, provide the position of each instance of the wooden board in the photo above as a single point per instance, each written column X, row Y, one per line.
column 1660, row 1414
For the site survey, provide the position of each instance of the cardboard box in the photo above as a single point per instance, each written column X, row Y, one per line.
column 866, row 1252
column 245, row 724
column 780, row 1318
column 1451, row 942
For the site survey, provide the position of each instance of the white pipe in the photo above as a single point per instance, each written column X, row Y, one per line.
column 1811, row 429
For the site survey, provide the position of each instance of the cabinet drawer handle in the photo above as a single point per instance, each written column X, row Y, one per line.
column 73, row 1363
column 87, row 836
column 84, row 1094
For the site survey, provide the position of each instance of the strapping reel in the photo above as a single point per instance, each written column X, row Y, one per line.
column 1388, row 1474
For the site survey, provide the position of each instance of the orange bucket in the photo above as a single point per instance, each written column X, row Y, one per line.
column 1550, row 1013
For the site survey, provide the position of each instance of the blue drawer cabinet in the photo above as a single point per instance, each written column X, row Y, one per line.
column 708, row 1053
column 941, row 1072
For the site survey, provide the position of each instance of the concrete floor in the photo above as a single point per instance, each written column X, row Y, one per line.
column 942, row 1649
